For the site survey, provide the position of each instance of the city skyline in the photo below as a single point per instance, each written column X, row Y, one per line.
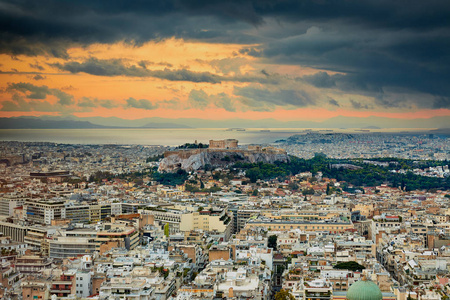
column 284, row 60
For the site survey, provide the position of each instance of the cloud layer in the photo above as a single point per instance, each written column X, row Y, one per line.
column 360, row 55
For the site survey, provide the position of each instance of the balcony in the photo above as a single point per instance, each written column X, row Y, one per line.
column 58, row 291
column 310, row 296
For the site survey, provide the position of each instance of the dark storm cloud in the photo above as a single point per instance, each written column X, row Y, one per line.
column 50, row 26
column 376, row 44
column 39, row 77
column 251, row 51
column 116, row 67
column 263, row 99
column 87, row 102
column 333, row 102
column 19, row 103
column 145, row 63
column 86, row 22
column 37, row 66
column 358, row 105
column 35, row 92
column 320, row 79
column 441, row 102
column 141, row 104
column 200, row 99
column 63, row 98
column 372, row 61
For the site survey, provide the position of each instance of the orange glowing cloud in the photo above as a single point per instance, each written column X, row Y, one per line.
column 147, row 83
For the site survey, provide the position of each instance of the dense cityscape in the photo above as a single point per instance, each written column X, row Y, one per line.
column 225, row 221
column 225, row 150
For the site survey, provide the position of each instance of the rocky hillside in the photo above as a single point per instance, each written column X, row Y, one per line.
column 221, row 158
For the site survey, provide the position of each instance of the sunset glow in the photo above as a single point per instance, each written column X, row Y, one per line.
column 210, row 63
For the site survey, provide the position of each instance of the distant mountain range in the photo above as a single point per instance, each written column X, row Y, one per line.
column 72, row 122
column 30, row 123
column 81, row 123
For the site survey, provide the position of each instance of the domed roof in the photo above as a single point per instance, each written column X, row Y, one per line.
column 364, row 290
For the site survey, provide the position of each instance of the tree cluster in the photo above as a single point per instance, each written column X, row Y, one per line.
column 366, row 175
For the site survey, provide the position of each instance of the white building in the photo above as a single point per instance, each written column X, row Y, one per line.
column 83, row 284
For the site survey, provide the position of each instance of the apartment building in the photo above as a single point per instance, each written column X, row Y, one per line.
column 42, row 211
column 208, row 220
column 171, row 217
column 35, row 289
column 307, row 215
column 77, row 213
column 15, row 231
column 32, row 264
column 241, row 216
column 126, row 237
column 72, row 242
column 132, row 288
column 7, row 244
column 83, row 284
column 36, row 237
column 10, row 201
column 332, row 226
column 186, row 221
column 64, row 286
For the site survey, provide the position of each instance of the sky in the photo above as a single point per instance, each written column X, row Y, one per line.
column 286, row 60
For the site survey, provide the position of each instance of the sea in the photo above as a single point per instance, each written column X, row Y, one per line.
column 166, row 137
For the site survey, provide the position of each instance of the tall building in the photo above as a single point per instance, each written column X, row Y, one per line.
column 36, row 237
column 42, row 211
column 10, row 201
column 125, row 236
column 185, row 221
column 241, row 216
column 15, row 231
column 72, row 242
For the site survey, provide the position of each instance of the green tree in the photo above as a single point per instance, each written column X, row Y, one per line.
column 293, row 186
column 309, row 191
column 166, row 230
column 284, row 295
column 272, row 242
column 349, row 265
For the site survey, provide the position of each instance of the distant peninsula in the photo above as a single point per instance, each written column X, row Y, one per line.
column 38, row 123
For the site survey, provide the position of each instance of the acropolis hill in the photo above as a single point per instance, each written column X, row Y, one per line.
column 221, row 153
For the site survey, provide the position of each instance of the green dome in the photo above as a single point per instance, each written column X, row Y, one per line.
column 364, row 290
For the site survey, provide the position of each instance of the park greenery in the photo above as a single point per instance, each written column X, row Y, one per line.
column 177, row 178
column 359, row 175
column 364, row 175
column 194, row 189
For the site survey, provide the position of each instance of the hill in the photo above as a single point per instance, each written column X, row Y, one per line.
column 36, row 123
